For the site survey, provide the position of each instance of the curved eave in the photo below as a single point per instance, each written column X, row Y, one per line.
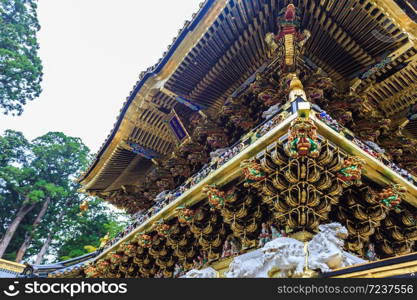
column 150, row 80
column 11, row 266
column 240, row 50
column 403, row 13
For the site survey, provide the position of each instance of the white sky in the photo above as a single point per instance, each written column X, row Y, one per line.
column 92, row 53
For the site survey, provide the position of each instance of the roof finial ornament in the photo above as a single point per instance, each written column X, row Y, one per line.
column 296, row 89
column 288, row 44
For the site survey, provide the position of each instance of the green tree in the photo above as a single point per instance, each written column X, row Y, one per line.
column 36, row 178
column 77, row 231
column 13, row 147
column 20, row 65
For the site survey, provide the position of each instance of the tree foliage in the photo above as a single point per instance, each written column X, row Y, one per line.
column 20, row 65
column 78, row 231
column 32, row 173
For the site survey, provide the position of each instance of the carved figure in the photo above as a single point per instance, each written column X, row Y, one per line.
column 391, row 197
column 302, row 139
column 351, row 171
column 252, row 171
column 285, row 257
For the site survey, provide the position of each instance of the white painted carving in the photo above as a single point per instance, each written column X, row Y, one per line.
column 204, row 273
column 286, row 257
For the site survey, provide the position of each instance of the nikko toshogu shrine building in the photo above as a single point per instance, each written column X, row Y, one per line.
column 273, row 139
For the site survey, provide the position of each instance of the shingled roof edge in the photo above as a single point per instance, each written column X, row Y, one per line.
column 188, row 28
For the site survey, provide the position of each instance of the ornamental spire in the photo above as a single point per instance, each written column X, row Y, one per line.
column 288, row 44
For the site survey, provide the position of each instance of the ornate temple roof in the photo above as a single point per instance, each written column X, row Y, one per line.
column 68, row 268
column 10, row 269
column 267, row 119
column 360, row 42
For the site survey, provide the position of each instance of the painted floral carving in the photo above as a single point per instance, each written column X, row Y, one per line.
column 115, row 258
column 144, row 240
column 162, row 229
column 130, row 249
column 91, row 272
column 103, row 265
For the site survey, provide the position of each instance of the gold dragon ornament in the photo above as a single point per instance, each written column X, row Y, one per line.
column 185, row 215
column 216, row 197
column 253, row 172
column 392, row 196
column 351, row 172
